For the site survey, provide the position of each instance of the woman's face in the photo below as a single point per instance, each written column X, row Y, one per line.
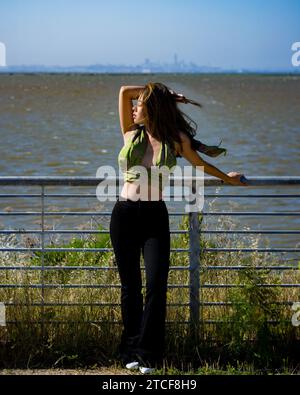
column 139, row 112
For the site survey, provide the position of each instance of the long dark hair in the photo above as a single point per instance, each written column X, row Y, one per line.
column 166, row 120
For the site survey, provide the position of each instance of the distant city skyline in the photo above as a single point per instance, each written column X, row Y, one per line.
column 148, row 67
column 224, row 34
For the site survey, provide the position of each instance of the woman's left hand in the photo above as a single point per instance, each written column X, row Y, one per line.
column 237, row 179
column 179, row 97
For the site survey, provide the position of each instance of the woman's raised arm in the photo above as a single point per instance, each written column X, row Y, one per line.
column 126, row 95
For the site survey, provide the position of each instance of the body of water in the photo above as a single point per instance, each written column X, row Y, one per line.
column 68, row 125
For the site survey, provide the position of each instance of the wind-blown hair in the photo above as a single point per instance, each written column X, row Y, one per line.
column 166, row 120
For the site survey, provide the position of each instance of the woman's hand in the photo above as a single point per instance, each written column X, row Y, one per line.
column 236, row 179
column 179, row 97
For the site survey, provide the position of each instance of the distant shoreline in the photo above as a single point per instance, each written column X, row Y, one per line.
column 273, row 73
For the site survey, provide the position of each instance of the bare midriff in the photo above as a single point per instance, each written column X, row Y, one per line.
column 132, row 191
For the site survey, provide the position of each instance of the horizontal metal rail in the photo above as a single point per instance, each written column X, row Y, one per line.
column 77, row 286
column 168, row 322
column 108, row 304
column 70, row 249
column 76, row 267
column 69, row 231
column 67, row 249
column 92, row 196
column 119, row 286
column 93, row 181
column 103, row 213
column 98, row 268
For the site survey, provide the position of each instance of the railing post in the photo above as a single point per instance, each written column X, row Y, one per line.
column 194, row 270
column 42, row 258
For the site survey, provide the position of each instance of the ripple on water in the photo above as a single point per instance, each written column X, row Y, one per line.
column 80, row 162
column 53, row 164
column 67, row 170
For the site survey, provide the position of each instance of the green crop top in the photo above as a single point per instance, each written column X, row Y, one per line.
column 133, row 152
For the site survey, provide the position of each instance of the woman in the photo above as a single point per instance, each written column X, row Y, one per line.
column 155, row 132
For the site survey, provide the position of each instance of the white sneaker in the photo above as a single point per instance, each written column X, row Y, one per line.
column 132, row 365
column 145, row 370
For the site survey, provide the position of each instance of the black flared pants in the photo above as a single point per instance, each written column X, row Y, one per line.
column 137, row 226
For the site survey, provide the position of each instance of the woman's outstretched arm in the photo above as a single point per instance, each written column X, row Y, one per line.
column 194, row 158
column 126, row 95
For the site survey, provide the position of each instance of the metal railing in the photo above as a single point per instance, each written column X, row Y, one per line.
column 194, row 232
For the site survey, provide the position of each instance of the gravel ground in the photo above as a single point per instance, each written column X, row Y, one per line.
column 102, row 371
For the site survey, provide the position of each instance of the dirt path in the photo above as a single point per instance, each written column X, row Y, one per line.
column 99, row 371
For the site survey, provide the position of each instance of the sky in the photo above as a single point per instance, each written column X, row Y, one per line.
column 229, row 34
